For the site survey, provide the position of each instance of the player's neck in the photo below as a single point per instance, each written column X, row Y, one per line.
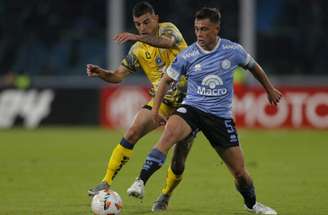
column 213, row 45
column 210, row 47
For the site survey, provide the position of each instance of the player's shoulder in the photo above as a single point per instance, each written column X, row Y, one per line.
column 230, row 45
column 136, row 48
column 190, row 52
column 168, row 27
column 164, row 25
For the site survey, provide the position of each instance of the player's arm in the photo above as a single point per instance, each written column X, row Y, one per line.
column 172, row 74
column 169, row 37
column 111, row 76
column 274, row 95
column 163, row 87
column 164, row 41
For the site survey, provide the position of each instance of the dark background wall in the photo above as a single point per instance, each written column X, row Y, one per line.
column 57, row 38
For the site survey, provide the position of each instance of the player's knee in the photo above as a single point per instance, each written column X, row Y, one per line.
column 133, row 134
column 171, row 133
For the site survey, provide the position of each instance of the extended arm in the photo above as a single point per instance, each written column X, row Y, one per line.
column 111, row 76
column 163, row 87
column 160, row 42
column 164, row 41
column 274, row 95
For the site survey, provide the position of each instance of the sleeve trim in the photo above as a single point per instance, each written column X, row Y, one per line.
column 130, row 69
column 173, row 73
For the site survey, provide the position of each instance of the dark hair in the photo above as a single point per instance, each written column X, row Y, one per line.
column 213, row 14
column 142, row 8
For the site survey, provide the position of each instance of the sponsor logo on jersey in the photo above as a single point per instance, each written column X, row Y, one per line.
column 190, row 54
column 230, row 46
column 210, row 86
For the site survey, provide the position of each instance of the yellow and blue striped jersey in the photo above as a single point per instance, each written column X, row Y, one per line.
column 153, row 62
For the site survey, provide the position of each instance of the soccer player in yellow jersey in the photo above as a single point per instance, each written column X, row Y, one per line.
column 156, row 46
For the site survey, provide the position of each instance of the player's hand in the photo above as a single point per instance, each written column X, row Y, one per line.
column 274, row 96
column 125, row 36
column 93, row 70
column 157, row 119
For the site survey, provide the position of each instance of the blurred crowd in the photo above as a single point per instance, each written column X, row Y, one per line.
column 45, row 37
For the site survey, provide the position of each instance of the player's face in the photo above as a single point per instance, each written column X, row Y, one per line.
column 206, row 33
column 146, row 24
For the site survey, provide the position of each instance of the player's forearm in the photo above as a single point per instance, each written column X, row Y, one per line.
column 260, row 75
column 163, row 87
column 159, row 42
column 109, row 76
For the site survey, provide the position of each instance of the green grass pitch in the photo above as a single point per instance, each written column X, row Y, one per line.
column 48, row 171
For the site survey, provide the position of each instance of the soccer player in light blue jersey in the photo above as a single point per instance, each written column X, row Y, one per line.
column 208, row 65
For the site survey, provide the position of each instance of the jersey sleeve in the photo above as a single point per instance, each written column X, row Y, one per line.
column 177, row 68
column 243, row 58
column 170, row 30
column 130, row 61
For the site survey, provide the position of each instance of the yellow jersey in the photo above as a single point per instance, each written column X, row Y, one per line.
column 153, row 62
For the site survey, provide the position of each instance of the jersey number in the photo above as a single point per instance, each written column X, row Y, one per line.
column 148, row 56
column 229, row 127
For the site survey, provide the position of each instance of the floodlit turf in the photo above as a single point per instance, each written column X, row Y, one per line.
column 48, row 171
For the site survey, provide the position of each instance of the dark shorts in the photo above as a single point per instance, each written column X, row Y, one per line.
column 220, row 132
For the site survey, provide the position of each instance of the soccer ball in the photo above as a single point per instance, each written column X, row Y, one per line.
column 106, row 202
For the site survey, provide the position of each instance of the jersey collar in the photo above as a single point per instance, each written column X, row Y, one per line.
column 213, row 50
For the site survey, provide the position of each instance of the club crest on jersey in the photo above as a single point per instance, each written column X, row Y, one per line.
column 159, row 61
column 226, row 64
column 210, row 86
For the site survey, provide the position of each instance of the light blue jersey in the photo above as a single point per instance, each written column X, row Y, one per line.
column 210, row 75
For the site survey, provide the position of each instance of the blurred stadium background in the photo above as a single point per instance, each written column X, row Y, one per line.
column 45, row 46
column 54, row 120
